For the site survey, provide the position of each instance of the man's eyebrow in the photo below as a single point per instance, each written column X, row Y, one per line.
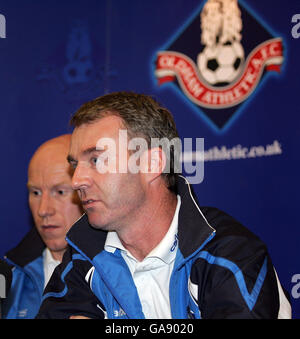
column 30, row 185
column 85, row 152
column 62, row 184
column 90, row 150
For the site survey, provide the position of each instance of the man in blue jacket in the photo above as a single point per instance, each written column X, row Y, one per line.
column 144, row 248
column 54, row 208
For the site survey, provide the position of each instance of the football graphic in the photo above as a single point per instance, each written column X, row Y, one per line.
column 219, row 58
column 222, row 58
column 220, row 64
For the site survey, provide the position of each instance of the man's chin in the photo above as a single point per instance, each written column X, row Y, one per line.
column 56, row 246
column 97, row 222
column 97, row 226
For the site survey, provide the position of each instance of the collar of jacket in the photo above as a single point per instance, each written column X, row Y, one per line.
column 193, row 228
column 30, row 248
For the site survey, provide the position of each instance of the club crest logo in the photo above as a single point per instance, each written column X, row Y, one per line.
column 77, row 66
column 219, row 58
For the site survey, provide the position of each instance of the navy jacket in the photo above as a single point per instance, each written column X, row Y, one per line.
column 25, row 296
column 221, row 270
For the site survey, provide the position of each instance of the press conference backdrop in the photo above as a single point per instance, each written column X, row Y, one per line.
column 228, row 72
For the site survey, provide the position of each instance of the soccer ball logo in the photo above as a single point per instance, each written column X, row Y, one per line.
column 222, row 58
column 221, row 64
column 79, row 68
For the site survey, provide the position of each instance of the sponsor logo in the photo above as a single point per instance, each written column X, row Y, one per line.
column 22, row 313
column 175, row 243
column 219, row 58
column 119, row 313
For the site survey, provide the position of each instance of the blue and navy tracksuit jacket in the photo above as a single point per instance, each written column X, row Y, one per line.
column 25, row 296
column 221, row 270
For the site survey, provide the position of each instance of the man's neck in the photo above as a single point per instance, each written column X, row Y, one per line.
column 150, row 226
column 57, row 255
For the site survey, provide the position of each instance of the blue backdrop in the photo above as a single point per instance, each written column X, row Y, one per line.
column 56, row 55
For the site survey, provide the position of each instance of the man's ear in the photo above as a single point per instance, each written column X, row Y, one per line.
column 154, row 162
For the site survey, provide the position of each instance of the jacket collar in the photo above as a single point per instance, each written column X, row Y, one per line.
column 30, row 248
column 86, row 239
column 193, row 228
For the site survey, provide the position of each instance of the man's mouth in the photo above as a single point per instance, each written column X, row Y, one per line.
column 49, row 227
column 87, row 203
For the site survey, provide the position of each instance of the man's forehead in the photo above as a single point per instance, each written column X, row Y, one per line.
column 108, row 122
column 85, row 137
column 49, row 168
column 50, row 176
column 49, row 162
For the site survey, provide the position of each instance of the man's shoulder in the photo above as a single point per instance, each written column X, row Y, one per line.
column 29, row 249
column 232, row 239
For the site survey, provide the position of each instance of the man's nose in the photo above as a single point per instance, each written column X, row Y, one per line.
column 81, row 177
column 46, row 207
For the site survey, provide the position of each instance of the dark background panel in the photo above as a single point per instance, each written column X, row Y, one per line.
column 43, row 81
